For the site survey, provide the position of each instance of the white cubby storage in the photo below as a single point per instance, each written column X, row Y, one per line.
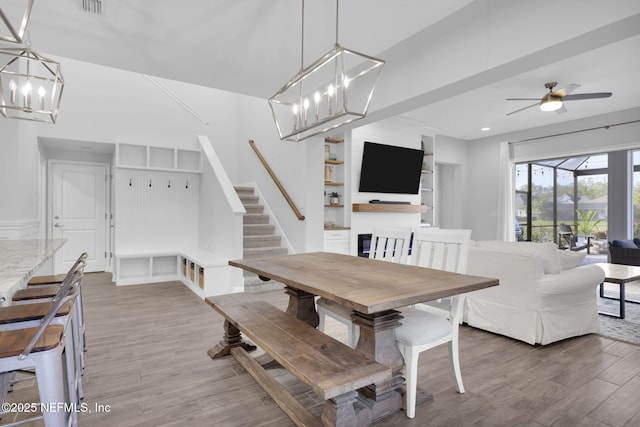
column 135, row 268
column 158, row 158
column 197, row 269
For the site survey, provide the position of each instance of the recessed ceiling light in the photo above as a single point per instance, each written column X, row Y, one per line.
column 485, row 129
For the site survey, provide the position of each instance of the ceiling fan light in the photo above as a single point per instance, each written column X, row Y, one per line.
column 551, row 103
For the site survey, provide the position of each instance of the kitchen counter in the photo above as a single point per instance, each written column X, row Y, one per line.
column 20, row 259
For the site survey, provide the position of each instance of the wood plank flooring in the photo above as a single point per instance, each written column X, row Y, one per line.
column 147, row 361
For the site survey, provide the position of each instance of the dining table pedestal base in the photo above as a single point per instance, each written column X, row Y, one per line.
column 302, row 305
column 378, row 341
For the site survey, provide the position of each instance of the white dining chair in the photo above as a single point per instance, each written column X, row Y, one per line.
column 387, row 244
column 428, row 325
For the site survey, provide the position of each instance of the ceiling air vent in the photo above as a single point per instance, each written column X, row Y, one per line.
column 92, row 6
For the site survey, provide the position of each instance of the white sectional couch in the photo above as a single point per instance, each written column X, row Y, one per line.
column 543, row 296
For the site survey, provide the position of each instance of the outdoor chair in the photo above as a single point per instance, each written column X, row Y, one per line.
column 568, row 240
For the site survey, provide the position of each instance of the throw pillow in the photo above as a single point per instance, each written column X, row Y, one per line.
column 570, row 259
column 636, row 241
column 624, row 244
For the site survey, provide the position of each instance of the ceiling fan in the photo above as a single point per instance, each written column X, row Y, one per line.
column 554, row 100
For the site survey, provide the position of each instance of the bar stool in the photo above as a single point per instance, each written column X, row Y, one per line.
column 42, row 348
column 56, row 279
column 42, row 293
column 30, row 315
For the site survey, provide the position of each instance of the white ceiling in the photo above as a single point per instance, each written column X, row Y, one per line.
column 450, row 63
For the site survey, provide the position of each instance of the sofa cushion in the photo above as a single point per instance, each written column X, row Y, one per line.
column 629, row 244
column 636, row 241
column 571, row 259
column 547, row 252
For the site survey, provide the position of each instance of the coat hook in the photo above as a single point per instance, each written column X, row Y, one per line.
column 187, row 186
column 129, row 182
column 149, row 183
column 169, row 186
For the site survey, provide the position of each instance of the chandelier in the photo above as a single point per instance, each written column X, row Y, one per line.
column 333, row 91
column 15, row 33
column 30, row 84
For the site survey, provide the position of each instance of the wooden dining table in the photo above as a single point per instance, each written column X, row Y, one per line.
column 374, row 290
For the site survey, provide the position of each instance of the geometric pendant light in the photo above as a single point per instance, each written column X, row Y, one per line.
column 30, row 85
column 13, row 28
column 334, row 90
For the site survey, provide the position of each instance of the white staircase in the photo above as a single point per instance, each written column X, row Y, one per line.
column 259, row 239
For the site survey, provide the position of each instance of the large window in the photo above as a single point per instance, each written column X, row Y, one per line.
column 636, row 194
column 571, row 191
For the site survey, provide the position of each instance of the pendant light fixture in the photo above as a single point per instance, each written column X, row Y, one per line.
column 14, row 27
column 334, row 90
column 30, row 84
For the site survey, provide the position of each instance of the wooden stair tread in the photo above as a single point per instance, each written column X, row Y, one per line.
column 330, row 367
column 26, row 312
column 12, row 343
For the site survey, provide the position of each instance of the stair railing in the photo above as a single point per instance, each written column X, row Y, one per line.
column 276, row 181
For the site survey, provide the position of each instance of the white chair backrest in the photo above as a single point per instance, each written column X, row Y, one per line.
column 446, row 250
column 441, row 249
column 390, row 244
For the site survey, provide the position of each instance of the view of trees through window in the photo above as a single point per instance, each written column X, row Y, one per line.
column 571, row 191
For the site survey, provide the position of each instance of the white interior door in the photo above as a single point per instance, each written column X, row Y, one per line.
column 78, row 214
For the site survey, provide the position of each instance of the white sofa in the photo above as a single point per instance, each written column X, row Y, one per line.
column 543, row 296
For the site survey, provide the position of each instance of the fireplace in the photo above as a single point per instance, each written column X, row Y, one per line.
column 364, row 244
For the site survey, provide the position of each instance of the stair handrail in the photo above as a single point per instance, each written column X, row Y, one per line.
column 276, row 181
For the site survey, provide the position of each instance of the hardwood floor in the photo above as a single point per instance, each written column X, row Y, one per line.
column 147, row 363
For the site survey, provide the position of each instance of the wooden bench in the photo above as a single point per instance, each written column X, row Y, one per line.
column 332, row 369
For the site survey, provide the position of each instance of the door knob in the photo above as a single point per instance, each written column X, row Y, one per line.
column 57, row 225
column 56, row 217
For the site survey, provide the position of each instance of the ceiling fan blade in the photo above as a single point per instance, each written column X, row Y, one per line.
column 521, row 109
column 523, row 99
column 579, row 96
column 562, row 109
column 566, row 90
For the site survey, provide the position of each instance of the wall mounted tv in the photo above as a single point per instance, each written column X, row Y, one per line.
column 390, row 169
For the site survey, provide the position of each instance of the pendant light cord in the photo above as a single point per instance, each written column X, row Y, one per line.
column 337, row 8
column 302, row 38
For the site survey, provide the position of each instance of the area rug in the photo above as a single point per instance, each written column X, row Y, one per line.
column 627, row 329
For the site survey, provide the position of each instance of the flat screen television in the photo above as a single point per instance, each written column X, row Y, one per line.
column 390, row 169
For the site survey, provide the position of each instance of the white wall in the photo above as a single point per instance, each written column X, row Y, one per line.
column 105, row 105
column 298, row 166
column 396, row 132
column 19, row 181
column 482, row 182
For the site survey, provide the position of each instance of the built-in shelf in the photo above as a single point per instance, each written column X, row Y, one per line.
column 334, row 162
column 334, row 206
column 334, row 140
column 337, row 228
column 158, row 158
column 388, row 207
column 427, row 154
column 333, row 183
